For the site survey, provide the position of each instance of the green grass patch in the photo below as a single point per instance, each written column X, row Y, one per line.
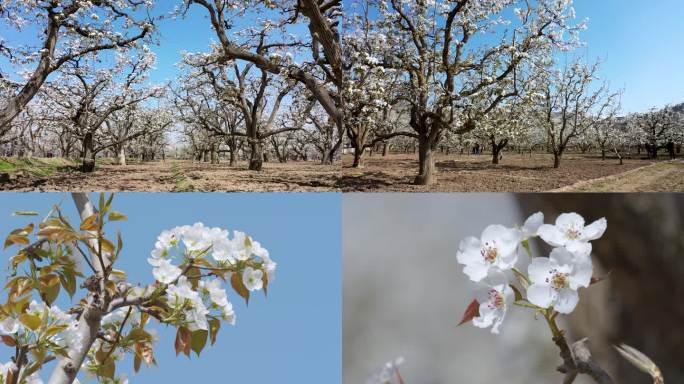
column 182, row 183
column 41, row 167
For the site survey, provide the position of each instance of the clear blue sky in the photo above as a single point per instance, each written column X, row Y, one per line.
column 640, row 41
column 293, row 336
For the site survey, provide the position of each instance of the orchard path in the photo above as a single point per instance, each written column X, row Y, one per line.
column 659, row 177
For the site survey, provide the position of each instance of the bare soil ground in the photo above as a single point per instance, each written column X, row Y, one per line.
column 180, row 176
column 515, row 173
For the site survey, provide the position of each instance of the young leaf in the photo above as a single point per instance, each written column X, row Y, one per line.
column 239, row 286
column 183, row 341
column 89, row 223
column 31, row 322
column 9, row 340
column 214, row 326
column 472, row 311
column 198, row 340
column 117, row 216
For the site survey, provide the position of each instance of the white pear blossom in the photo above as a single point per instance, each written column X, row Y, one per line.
column 531, row 226
column 494, row 300
column 182, row 293
column 9, row 326
column 556, row 279
column 495, row 249
column 163, row 270
column 570, row 232
column 219, row 297
column 252, row 278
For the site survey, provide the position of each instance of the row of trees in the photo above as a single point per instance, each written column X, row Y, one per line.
column 464, row 74
column 88, row 88
column 438, row 74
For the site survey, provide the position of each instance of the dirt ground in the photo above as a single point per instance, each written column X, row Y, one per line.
column 182, row 176
column 660, row 177
column 515, row 173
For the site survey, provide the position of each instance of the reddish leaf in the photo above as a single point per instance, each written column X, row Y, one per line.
column 9, row 341
column 183, row 341
column 471, row 312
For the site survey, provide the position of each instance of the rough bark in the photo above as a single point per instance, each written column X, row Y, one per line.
column 426, row 162
column 88, row 154
column 122, row 155
column 256, row 156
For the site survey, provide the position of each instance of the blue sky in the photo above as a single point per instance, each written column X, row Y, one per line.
column 639, row 41
column 293, row 336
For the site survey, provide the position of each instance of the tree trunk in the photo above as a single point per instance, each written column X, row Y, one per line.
column 603, row 154
column 205, row 156
column 88, row 154
column 214, row 155
column 495, row 154
column 232, row 157
column 358, row 158
column 122, row 155
column 385, row 149
column 556, row 159
column 256, row 157
column 426, row 162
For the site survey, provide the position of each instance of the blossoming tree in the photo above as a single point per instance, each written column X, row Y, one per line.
column 64, row 30
column 113, row 317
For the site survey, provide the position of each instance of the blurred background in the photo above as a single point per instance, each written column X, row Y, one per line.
column 404, row 292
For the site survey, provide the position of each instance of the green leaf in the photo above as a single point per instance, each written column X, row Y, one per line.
column 239, row 286
column 117, row 216
column 107, row 369
column 50, row 293
column 101, row 205
column 198, row 340
column 89, row 223
column 214, row 327
column 68, row 281
column 31, row 322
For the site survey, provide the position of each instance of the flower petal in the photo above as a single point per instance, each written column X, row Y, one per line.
column 595, row 230
column 552, row 235
column 469, row 250
column 538, row 270
column 541, row 295
column 566, row 301
column 476, row 271
column 579, row 248
column 570, row 220
column 533, row 223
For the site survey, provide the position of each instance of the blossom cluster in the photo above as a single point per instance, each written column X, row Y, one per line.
column 190, row 245
column 550, row 283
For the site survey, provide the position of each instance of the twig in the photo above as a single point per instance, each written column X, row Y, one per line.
column 118, row 335
column 577, row 359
